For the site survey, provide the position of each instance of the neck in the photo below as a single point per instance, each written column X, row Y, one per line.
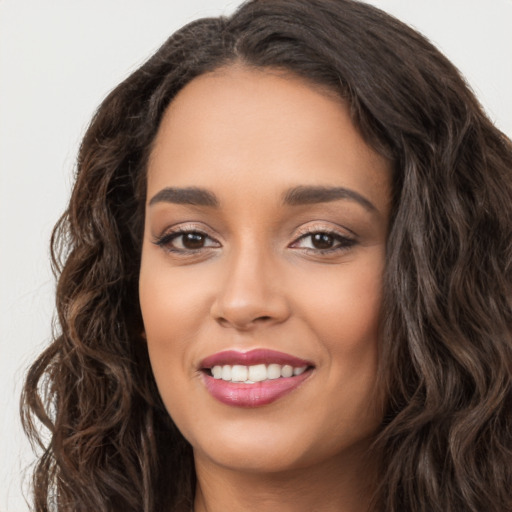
column 341, row 484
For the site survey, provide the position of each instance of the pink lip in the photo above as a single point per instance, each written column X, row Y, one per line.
column 252, row 357
column 259, row 393
column 252, row 395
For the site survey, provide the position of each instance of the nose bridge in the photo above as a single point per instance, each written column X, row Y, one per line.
column 249, row 292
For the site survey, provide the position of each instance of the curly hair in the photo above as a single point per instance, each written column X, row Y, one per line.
column 446, row 351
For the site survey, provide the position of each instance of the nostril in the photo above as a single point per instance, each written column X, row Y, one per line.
column 245, row 324
column 263, row 318
column 223, row 322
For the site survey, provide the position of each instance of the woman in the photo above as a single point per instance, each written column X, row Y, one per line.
column 285, row 279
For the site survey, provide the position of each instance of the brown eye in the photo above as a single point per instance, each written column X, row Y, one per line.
column 193, row 240
column 186, row 241
column 322, row 241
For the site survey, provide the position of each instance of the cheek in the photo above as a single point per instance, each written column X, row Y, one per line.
column 344, row 313
column 174, row 304
column 347, row 320
column 172, row 301
column 345, row 306
column 168, row 331
column 168, row 311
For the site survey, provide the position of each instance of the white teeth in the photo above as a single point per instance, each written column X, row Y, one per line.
column 286, row 371
column 258, row 373
column 226, row 372
column 255, row 373
column 274, row 371
column 239, row 373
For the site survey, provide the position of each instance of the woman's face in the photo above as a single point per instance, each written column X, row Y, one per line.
column 263, row 255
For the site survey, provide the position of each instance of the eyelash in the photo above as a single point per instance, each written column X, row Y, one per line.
column 343, row 242
column 165, row 241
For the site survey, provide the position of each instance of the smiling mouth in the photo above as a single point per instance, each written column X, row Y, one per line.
column 254, row 385
column 255, row 365
column 238, row 373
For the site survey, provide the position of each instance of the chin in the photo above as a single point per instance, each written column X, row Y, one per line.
column 262, row 445
column 244, row 453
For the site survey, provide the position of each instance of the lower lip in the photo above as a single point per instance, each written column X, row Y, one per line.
column 252, row 395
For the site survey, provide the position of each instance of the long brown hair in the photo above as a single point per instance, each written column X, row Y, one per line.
column 446, row 353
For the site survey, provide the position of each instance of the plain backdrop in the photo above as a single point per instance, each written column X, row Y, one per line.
column 58, row 60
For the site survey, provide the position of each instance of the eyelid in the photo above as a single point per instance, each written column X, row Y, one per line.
column 324, row 227
column 172, row 232
column 345, row 241
column 334, row 234
column 187, row 227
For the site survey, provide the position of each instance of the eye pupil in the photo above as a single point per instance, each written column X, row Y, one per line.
column 322, row 240
column 193, row 240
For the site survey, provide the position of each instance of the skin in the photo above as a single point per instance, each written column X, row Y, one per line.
column 257, row 280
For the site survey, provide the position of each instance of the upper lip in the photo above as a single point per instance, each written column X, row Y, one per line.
column 252, row 357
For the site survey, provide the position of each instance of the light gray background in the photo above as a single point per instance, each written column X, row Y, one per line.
column 58, row 59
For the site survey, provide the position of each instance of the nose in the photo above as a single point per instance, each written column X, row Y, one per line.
column 250, row 293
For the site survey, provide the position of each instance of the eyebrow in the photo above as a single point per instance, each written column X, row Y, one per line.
column 303, row 195
column 297, row 196
column 189, row 195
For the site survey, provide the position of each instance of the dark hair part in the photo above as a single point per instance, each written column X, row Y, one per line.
column 446, row 353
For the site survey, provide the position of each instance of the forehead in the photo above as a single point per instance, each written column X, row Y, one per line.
column 254, row 128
